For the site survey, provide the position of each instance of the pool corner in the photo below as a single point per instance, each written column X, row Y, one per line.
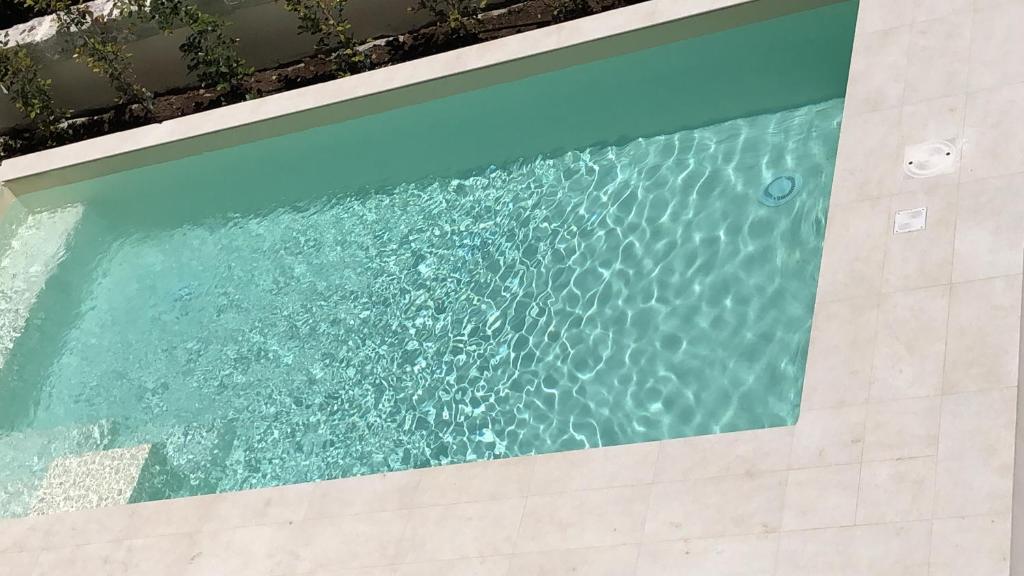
column 6, row 199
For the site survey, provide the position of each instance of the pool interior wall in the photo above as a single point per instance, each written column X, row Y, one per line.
column 569, row 260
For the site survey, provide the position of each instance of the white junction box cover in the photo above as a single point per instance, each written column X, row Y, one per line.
column 910, row 220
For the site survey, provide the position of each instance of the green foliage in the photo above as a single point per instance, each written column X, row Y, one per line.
column 210, row 54
column 96, row 45
column 29, row 91
column 454, row 16
column 565, row 10
column 325, row 20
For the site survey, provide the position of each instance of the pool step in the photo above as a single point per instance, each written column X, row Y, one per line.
column 33, row 252
column 90, row 480
column 25, row 457
column 185, row 461
column 72, row 467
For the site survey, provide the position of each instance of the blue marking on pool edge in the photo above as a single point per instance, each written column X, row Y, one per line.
column 779, row 191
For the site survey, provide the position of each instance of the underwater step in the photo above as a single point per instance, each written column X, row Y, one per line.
column 26, row 455
column 35, row 248
column 92, row 480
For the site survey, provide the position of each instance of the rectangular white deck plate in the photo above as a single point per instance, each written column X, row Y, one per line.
column 910, row 220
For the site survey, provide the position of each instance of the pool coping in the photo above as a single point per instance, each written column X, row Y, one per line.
column 833, row 494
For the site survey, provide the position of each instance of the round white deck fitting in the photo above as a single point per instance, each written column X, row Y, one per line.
column 931, row 158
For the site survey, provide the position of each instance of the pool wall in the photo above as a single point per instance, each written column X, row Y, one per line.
column 6, row 198
column 901, row 463
column 456, row 72
column 444, row 132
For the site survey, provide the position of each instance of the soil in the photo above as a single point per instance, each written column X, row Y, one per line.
column 528, row 15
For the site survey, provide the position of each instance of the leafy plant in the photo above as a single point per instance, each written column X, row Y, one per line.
column 98, row 47
column 455, row 17
column 565, row 10
column 210, row 53
column 28, row 90
column 325, row 19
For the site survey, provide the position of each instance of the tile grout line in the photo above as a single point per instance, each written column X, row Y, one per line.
column 949, row 302
column 403, row 540
column 1016, row 540
column 1016, row 549
column 785, row 498
column 603, row 488
column 878, row 297
column 647, row 508
column 638, row 545
column 522, row 515
column 871, row 370
column 650, row 482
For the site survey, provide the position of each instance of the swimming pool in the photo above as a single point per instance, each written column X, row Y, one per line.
column 574, row 259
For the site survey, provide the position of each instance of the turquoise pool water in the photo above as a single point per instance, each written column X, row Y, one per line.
column 617, row 292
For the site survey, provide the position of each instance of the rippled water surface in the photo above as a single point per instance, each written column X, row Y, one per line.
column 602, row 296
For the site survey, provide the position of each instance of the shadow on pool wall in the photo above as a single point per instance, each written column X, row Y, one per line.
column 768, row 66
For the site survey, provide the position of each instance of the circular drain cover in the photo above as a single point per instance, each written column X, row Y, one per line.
column 778, row 191
column 930, row 159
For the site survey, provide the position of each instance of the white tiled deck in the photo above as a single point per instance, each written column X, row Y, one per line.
column 901, row 464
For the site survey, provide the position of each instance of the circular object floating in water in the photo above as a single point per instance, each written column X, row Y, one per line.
column 778, row 191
